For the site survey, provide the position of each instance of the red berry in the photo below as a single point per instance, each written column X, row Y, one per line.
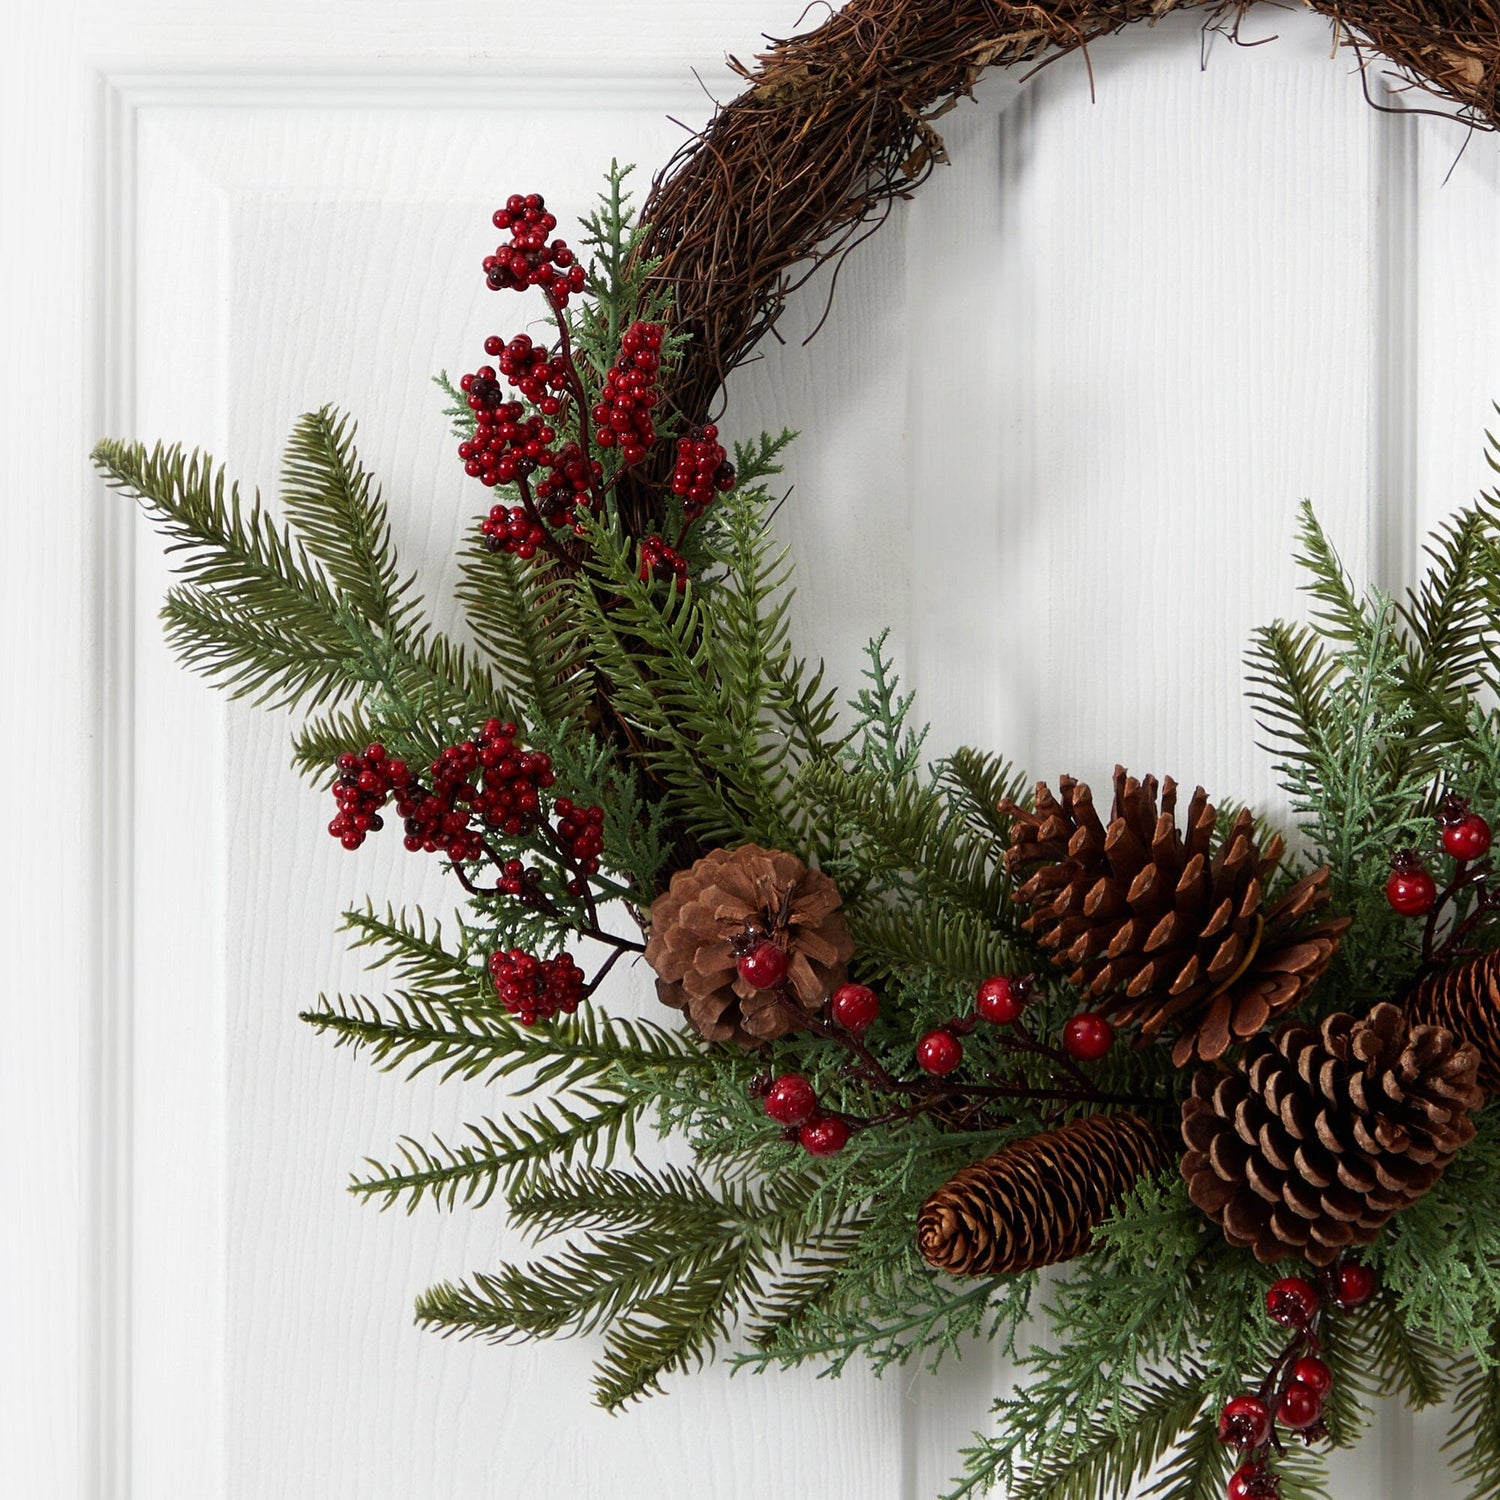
column 535, row 989
column 763, row 967
column 701, row 470
column 939, row 1052
column 1002, row 999
column 823, row 1137
column 1312, row 1372
column 1292, row 1302
column 791, row 1100
column 1245, row 1422
column 1410, row 889
column 1354, row 1284
column 1300, row 1406
column 1088, row 1037
column 854, row 1007
column 1469, row 838
column 1253, row 1482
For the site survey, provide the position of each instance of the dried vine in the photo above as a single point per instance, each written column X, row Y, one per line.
column 837, row 123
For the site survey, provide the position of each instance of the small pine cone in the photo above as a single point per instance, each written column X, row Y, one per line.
column 1316, row 1138
column 1465, row 1001
column 725, row 901
column 1165, row 930
column 1038, row 1200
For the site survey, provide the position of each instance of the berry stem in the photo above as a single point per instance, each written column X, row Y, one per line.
column 588, row 928
column 606, row 966
column 926, row 1093
column 1470, row 876
column 549, row 540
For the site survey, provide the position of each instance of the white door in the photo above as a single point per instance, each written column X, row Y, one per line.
column 1053, row 433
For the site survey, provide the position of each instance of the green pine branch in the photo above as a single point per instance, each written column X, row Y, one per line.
column 1200, row 1465
column 1094, row 1459
column 309, row 617
column 887, row 745
column 587, row 1127
column 411, row 946
column 337, row 511
column 465, row 1034
column 707, row 679
column 522, row 615
column 666, row 1270
column 256, row 614
column 1473, row 1444
column 976, row 783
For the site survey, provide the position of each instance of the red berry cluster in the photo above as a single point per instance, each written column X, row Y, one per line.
column 529, row 259
column 508, row 528
column 793, row 1102
column 580, row 832
column 535, row 989
column 571, row 479
column 1465, row 837
column 659, row 561
column 507, row 444
column 1293, row 1393
column 517, row 880
column 623, row 416
column 532, row 369
column 702, row 470
column 364, row 783
column 490, row 779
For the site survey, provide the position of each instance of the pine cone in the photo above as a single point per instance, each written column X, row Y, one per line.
column 1165, row 931
column 1317, row 1137
column 1039, row 1200
column 731, row 896
column 1465, row 1001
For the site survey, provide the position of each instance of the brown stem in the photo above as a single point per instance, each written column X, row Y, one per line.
column 549, row 541
column 588, row 928
column 1467, row 876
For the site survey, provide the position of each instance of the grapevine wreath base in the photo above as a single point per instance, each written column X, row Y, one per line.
column 927, row 1032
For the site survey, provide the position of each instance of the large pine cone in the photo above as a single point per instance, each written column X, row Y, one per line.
column 731, row 897
column 1039, row 1200
column 1166, row 931
column 1318, row 1137
column 1465, row 1001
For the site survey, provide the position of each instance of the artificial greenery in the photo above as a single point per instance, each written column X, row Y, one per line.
column 690, row 719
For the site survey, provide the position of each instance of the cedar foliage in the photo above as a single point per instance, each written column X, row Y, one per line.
column 1372, row 710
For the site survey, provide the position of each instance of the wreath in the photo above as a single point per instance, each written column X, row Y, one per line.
column 935, row 1031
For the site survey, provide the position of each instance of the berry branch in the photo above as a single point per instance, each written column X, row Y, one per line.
column 1291, row 1395
column 792, row 1102
column 1411, row 889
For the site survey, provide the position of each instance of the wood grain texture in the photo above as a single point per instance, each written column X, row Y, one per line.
column 1055, row 431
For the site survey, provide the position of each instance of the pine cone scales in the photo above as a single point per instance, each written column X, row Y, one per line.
column 1318, row 1137
column 733, row 894
column 1038, row 1200
column 1167, row 927
column 1465, row 1001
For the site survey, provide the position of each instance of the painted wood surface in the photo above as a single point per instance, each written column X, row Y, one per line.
column 1055, row 430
